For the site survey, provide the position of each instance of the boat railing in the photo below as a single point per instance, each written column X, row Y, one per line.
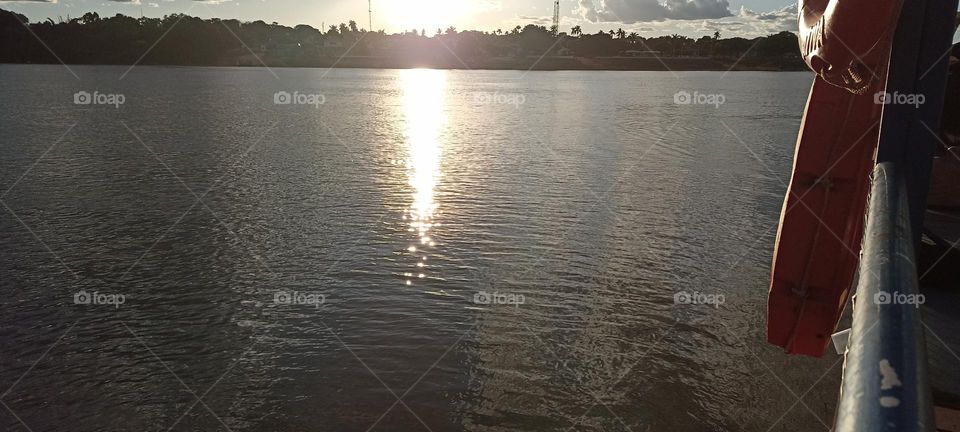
column 885, row 384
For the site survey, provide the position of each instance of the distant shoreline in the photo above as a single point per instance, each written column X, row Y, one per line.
column 125, row 40
column 650, row 64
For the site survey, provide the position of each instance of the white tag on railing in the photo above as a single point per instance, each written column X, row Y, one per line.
column 840, row 339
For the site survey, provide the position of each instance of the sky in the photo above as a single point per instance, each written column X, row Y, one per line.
column 747, row 18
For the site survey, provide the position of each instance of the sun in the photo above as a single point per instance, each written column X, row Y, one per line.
column 426, row 15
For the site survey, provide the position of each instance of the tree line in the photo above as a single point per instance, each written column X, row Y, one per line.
column 179, row 39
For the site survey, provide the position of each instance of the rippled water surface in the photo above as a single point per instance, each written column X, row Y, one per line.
column 410, row 204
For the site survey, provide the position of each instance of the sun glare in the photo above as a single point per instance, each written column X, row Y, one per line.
column 426, row 15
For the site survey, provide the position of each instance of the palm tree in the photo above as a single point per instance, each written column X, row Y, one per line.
column 621, row 34
column 576, row 31
column 90, row 18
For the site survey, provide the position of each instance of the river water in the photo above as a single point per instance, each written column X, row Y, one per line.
column 395, row 250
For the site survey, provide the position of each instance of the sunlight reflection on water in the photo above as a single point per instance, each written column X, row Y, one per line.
column 598, row 199
column 423, row 112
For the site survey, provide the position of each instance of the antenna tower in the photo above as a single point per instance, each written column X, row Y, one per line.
column 556, row 17
column 370, row 13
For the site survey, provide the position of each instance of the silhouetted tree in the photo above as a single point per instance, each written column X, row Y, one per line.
column 186, row 40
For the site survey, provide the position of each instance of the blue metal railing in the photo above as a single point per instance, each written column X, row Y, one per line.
column 885, row 384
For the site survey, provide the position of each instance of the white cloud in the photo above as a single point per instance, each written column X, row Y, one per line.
column 746, row 23
column 634, row 11
column 538, row 20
